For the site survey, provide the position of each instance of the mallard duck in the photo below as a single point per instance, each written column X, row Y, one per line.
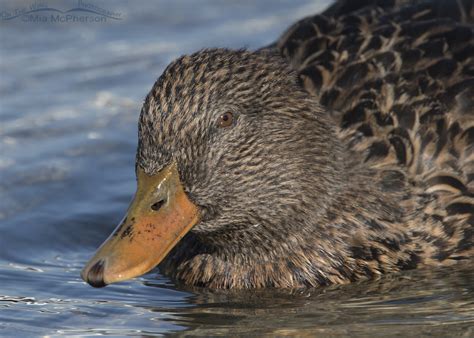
column 342, row 152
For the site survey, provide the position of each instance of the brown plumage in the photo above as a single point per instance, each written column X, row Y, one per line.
column 351, row 153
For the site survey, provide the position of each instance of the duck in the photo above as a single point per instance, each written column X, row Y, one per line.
column 344, row 151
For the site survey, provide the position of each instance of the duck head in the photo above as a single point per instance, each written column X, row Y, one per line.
column 231, row 149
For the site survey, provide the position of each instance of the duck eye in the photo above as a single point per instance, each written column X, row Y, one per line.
column 226, row 119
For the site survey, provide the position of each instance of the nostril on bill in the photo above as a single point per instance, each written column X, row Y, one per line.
column 95, row 276
column 157, row 206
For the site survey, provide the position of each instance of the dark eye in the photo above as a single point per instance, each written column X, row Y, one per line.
column 226, row 120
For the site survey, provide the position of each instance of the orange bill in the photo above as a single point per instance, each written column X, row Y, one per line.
column 158, row 217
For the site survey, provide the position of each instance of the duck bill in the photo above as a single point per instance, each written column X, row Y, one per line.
column 158, row 217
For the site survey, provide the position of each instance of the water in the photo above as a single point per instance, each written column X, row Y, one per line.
column 70, row 96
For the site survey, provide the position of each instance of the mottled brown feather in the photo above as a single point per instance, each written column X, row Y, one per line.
column 350, row 157
column 398, row 77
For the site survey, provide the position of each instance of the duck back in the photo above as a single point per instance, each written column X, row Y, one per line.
column 398, row 79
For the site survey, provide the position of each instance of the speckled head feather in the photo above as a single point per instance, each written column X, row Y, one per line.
column 225, row 170
column 194, row 90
